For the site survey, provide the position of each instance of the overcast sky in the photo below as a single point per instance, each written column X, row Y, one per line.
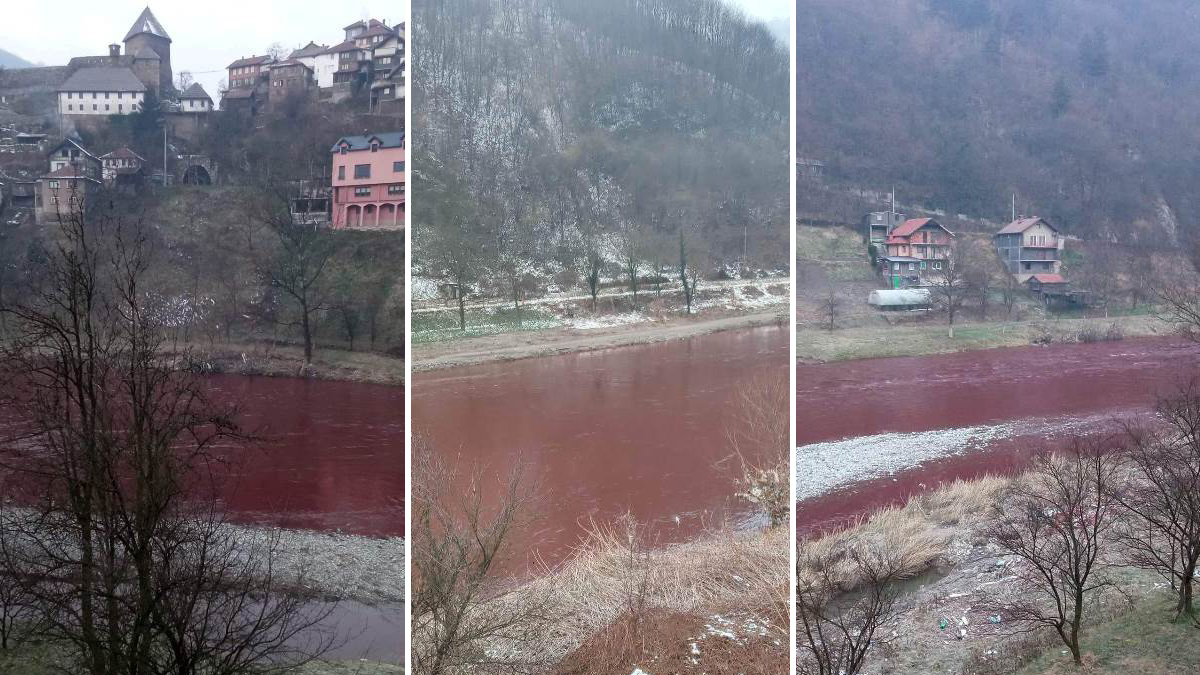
column 207, row 35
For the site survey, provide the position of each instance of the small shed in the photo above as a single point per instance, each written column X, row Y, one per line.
column 1047, row 284
column 901, row 299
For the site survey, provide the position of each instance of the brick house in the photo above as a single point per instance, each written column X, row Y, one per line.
column 914, row 250
column 1029, row 246
column 368, row 181
column 248, row 72
column 74, row 176
column 289, row 78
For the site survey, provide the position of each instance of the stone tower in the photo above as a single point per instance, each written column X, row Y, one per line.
column 148, row 34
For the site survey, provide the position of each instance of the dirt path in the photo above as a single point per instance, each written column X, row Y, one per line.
column 514, row 346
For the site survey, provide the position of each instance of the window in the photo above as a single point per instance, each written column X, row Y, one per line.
column 53, row 185
column 70, row 107
column 362, row 192
column 95, row 107
column 922, row 264
column 106, row 94
column 912, row 267
column 396, row 189
column 895, row 267
column 343, row 151
column 362, row 170
column 93, row 94
column 70, row 95
column 937, row 264
column 342, row 169
column 398, row 167
column 374, row 147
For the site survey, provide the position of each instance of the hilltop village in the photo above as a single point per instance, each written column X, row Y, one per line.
column 128, row 120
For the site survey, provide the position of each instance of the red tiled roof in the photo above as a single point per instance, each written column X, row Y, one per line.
column 1020, row 225
column 1049, row 278
column 912, row 225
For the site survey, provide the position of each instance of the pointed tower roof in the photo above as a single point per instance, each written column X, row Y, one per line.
column 147, row 23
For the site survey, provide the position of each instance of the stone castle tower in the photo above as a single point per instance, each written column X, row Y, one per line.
column 150, row 46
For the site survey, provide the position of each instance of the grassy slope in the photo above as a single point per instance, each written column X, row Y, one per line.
column 881, row 341
column 1141, row 641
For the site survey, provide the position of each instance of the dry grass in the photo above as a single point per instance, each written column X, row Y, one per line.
column 918, row 533
column 724, row 571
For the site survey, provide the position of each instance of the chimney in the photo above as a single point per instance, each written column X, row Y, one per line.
column 114, row 50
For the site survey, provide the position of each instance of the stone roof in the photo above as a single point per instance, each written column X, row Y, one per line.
column 103, row 79
column 195, row 91
column 389, row 139
column 239, row 92
column 147, row 23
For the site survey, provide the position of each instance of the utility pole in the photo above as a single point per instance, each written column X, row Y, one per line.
column 164, row 152
column 1014, row 208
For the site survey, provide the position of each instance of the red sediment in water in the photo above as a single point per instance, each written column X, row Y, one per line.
column 635, row 428
column 333, row 456
column 910, row 394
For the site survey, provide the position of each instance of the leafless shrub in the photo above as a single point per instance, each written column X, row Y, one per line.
column 831, row 305
column 1162, row 531
column 460, row 605
column 119, row 546
column 1057, row 521
column 845, row 595
column 759, row 438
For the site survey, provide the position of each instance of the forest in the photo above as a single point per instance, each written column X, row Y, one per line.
column 1085, row 109
column 568, row 141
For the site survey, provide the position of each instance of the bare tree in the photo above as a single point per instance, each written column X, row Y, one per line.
column 1010, row 289
column 844, row 595
column 831, row 306
column 1163, row 499
column 632, row 247
column 294, row 259
column 759, row 439
column 951, row 287
column 691, row 262
column 1057, row 521
column 118, row 540
column 461, row 531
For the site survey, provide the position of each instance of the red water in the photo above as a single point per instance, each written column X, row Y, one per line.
column 332, row 457
column 1110, row 380
column 636, row 428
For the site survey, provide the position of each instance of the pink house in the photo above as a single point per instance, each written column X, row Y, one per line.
column 368, row 181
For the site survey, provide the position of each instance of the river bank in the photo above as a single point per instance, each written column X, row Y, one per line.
column 558, row 341
column 715, row 604
column 930, row 338
column 283, row 360
column 954, row 573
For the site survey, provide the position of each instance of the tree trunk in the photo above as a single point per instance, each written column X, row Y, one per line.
column 1185, row 606
column 306, row 328
column 462, row 310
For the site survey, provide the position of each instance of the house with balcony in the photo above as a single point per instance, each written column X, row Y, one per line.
column 1030, row 246
column 913, row 251
column 368, row 181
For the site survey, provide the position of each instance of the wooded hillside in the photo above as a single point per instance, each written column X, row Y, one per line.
column 554, row 131
column 1087, row 109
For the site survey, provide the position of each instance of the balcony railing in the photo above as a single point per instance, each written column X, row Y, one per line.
column 1039, row 255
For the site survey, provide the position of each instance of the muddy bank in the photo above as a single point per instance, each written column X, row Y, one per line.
column 527, row 345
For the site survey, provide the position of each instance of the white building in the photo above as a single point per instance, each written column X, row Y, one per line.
column 101, row 91
column 195, row 99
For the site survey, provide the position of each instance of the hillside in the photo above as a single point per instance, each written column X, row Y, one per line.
column 1086, row 109
column 10, row 60
column 554, row 131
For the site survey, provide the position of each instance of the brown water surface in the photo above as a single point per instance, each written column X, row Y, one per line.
column 634, row 428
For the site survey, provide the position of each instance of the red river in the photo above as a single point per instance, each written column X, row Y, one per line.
column 1089, row 385
column 636, row 429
